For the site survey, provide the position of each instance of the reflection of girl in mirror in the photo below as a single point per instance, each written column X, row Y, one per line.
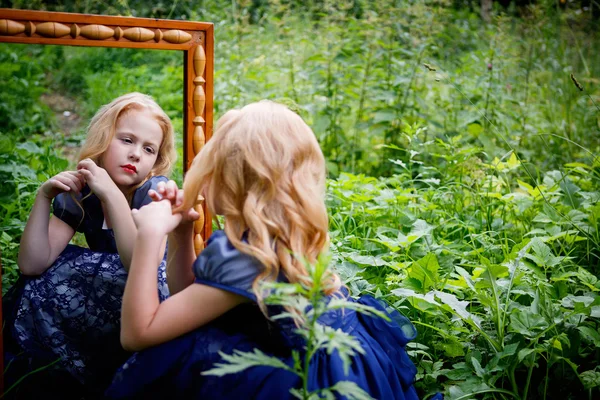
column 264, row 172
column 67, row 304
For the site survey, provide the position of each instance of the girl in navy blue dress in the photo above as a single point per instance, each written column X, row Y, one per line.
column 67, row 303
column 264, row 172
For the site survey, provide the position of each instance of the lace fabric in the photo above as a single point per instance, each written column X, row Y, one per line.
column 73, row 312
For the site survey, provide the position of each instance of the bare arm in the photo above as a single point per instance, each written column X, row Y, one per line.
column 180, row 258
column 144, row 321
column 45, row 238
column 181, row 254
column 116, row 208
column 119, row 215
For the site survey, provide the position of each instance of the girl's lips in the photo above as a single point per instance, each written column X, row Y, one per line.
column 129, row 168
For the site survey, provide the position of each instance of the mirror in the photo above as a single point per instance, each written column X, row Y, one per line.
column 194, row 39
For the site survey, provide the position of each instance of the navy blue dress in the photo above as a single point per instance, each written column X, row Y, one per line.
column 173, row 369
column 72, row 311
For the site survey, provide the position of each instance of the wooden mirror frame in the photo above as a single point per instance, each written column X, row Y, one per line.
column 194, row 39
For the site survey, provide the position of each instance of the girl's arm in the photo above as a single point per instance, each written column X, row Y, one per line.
column 180, row 257
column 119, row 215
column 45, row 238
column 116, row 208
column 181, row 254
column 144, row 321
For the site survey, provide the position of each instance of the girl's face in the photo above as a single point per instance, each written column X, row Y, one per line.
column 133, row 150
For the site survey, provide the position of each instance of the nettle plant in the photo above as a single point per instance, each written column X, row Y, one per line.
column 305, row 303
column 499, row 275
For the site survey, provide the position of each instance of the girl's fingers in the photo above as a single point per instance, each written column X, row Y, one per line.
column 76, row 178
column 153, row 194
column 86, row 174
column 87, row 164
column 160, row 188
column 171, row 190
column 59, row 185
column 81, row 178
column 179, row 199
column 67, row 180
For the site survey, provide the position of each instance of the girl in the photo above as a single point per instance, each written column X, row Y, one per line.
column 264, row 172
column 67, row 304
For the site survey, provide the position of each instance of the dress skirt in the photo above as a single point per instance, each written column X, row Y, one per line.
column 70, row 316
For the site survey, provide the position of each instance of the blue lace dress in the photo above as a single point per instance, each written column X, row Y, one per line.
column 173, row 369
column 72, row 311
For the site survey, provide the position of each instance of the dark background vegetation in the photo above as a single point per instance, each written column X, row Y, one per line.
column 463, row 160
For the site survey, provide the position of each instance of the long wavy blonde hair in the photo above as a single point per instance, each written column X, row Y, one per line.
column 264, row 171
column 102, row 128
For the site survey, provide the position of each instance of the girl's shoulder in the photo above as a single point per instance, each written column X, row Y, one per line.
column 74, row 208
column 140, row 197
column 223, row 266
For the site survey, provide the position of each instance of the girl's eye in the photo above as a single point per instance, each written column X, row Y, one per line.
column 127, row 140
column 149, row 150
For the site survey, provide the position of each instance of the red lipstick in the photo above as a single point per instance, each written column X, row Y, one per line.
column 129, row 168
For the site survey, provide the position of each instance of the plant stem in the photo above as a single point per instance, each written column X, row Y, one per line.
column 489, row 86
column 529, row 372
column 361, row 104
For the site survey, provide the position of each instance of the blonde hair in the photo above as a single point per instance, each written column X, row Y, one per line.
column 264, row 171
column 101, row 131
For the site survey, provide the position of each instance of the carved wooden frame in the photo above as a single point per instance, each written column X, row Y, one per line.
column 195, row 39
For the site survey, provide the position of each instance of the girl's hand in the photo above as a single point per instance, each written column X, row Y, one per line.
column 156, row 218
column 97, row 179
column 66, row 181
column 169, row 191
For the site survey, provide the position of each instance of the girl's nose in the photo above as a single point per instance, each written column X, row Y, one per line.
column 134, row 154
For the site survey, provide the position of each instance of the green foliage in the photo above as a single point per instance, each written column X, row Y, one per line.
column 499, row 275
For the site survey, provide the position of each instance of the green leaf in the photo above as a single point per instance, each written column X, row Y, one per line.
column 331, row 339
column 466, row 276
column 428, row 297
column 513, row 162
column 590, row 334
column 337, row 303
column 477, row 367
column 571, row 301
column 459, row 307
column 474, row 129
column 509, row 350
column 240, row 361
column 425, row 271
column 570, row 191
column 30, row 148
column 590, row 379
column 543, row 254
column 524, row 353
column 349, row 390
column 453, row 348
column 420, row 228
column 527, row 323
column 391, row 244
column 367, row 260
